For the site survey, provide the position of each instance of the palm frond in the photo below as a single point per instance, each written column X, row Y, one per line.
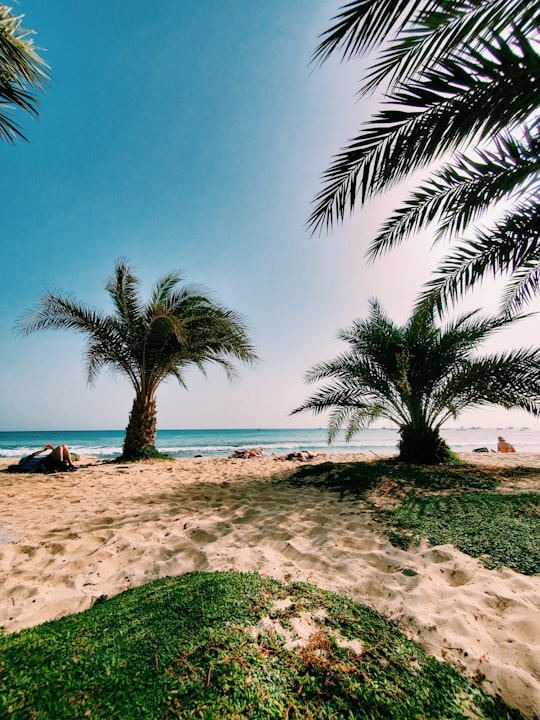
column 513, row 246
column 22, row 72
column 460, row 192
column 186, row 327
column 163, row 289
column 363, row 23
column 435, row 35
column 429, row 118
column 106, row 343
column 112, row 353
column 123, row 288
column 510, row 379
column 522, row 287
column 55, row 312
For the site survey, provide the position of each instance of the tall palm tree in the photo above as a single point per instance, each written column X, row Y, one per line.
column 460, row 82
column 418, row 376
column 22, row 72
column 178, row 327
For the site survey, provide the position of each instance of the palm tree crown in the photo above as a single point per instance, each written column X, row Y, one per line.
column 461, row 80
column 22, row 72
column 147, row 343
column 418, row 376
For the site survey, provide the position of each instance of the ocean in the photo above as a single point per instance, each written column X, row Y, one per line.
column 188, row 443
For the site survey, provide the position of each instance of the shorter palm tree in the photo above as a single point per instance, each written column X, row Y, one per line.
column 150, row 342
column 420, row 375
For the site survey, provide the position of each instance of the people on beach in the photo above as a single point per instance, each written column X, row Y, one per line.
column 58, row 460
column 300, row 455
column 257, row 452
column 504, row 447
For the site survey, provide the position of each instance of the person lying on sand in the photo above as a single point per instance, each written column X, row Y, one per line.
column 300, row 455
column 58, row 460
column 504, row 447
column 257, row 452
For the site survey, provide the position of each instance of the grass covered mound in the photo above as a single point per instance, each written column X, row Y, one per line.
column 357, row 478
column 443, row 504
column 229, row 645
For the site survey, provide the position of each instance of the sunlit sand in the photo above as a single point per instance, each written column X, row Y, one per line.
column 71, row 538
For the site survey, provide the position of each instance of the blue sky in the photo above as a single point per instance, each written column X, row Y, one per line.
column 190, row 135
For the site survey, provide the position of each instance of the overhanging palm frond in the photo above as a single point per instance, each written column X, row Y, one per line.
column 452, row 73
column 460, row 192
column 522, row 287
column 17, row 52
column 512, row 247
column 22, row 73
column 363, row 23
column 429, row 118
column 421, row 33
column 435, row 35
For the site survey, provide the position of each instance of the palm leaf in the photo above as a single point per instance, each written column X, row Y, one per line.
column 434, row 36
column 22, row 72
column 512, row 247
column 123, row 290
column 428, row 119
column 460, row 192
column 363, row 23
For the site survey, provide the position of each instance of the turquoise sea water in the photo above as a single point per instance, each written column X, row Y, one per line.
column 188, row 443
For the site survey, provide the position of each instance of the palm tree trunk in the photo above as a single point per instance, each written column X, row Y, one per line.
column 423, row 445
column 141, row 430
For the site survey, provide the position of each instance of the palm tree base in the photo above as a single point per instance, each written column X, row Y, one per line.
column 147, row 453
column 423, row 446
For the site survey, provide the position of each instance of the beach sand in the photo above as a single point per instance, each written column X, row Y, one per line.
column 71, row 538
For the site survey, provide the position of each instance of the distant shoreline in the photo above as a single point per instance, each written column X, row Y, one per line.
column 280, row 441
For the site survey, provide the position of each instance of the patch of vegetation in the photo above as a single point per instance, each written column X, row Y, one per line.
column 146, row 453
column 356, row 478
column 189, row 647
column 500, row 529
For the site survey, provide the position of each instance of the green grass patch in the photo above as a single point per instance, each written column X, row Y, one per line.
column 187, row 648
column 500, row 529
column 445, row 504
column 148, row 453
column 356, row 478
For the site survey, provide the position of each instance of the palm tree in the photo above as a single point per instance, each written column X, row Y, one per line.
column 175, row 329
column 22, row 72
column 418, row 376
column 460, row 83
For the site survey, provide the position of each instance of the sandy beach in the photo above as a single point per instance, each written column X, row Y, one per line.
column 71, row 538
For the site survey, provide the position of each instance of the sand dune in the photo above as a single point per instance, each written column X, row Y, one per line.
column 68, row 539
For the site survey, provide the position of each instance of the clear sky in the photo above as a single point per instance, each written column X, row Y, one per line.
column 190, row 135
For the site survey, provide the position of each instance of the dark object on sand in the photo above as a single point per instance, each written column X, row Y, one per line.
column 483, row 449
column 58, row 460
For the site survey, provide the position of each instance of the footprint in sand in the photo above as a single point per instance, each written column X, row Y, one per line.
column 458, row 577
